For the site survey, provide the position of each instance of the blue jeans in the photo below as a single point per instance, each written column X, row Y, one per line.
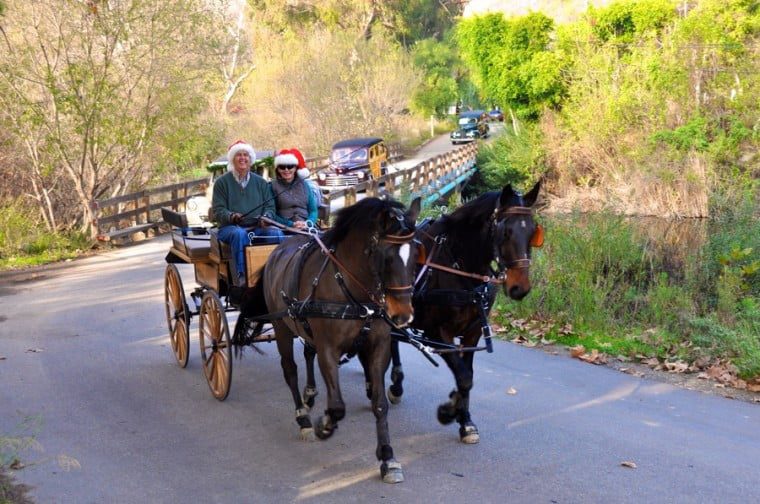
column 237, row 238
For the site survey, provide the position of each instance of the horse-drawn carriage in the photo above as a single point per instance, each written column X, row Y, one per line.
column 351, row 291
column 212, row 261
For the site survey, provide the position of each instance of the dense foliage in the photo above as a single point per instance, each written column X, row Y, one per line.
column 651, row 111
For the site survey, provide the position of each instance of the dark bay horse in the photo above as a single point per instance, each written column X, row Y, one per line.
column 484, row 243
column 341, row 293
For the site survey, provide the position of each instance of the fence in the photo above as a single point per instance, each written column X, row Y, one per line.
column 125, row 215
column 430, row 179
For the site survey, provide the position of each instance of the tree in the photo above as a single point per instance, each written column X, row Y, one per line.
column 315, row 90
column 87, row 87
column 512, row 61
column 234, row 52
column 406, row 20
column 439, row 87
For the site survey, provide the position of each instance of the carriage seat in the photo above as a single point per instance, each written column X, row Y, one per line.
column 220, row 251
column 191, row 241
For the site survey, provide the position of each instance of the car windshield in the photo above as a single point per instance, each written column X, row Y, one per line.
column 348, row 155
column 465, row 121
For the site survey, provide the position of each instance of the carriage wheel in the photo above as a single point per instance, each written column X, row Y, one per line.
column 177, row 315
column 216, row 349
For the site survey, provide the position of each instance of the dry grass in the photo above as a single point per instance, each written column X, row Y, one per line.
column 621, row 176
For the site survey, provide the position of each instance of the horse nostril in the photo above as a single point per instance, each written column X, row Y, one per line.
column 402, row 320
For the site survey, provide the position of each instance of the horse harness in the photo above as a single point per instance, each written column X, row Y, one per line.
column 483, row 295
column 300, row 311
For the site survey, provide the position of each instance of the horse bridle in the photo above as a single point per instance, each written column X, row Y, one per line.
column 499, row 217
column 392, row 239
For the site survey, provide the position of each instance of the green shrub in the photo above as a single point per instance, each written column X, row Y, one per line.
column 515, row 159
column 692, row 135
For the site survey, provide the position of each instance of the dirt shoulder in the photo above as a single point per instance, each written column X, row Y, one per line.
column 685, row 380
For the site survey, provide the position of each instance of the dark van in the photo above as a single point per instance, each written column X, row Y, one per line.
column 353, row 161
column 470, row 126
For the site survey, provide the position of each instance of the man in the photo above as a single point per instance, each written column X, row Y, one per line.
column 240, row 198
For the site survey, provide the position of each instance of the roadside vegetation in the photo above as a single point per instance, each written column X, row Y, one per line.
column 640, row 112
column 113, row 97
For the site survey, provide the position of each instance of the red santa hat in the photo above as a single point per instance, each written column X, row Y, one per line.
column 290, row 157
column 239, row 146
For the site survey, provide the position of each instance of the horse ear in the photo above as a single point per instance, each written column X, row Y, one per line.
column 530, row 198
column 506, row 195
column 414, row 209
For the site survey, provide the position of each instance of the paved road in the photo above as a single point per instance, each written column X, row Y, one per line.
column 86, row 354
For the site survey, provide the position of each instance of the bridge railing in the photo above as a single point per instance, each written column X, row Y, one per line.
column 430, row 179
column 122, row 216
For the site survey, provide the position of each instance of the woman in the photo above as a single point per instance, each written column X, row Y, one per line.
column 295, row 202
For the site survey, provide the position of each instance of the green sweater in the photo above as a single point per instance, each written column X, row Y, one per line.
column 229, row 197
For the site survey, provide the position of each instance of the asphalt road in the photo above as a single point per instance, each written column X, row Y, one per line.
column 85, row 356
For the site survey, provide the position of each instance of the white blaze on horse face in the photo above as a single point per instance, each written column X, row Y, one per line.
column 403, row 252
column 522, row 223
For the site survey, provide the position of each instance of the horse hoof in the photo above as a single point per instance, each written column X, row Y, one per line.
column 393, row 398
column 469, row 434
column 325, row 428
column 391, row 472
column 307, row 434
column 446, row 413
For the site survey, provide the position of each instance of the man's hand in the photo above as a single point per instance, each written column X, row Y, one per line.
column 300, row 225
column 236, row 218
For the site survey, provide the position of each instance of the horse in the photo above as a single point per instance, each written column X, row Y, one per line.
column 483, row 243
column 342, row 293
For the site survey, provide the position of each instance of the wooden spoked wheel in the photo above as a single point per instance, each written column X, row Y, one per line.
column 177, row 315
column 216, row 349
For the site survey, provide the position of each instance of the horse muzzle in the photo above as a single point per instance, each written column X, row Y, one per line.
column 517, row 285
column 398, row 304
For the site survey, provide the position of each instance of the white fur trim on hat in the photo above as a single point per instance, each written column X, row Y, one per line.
column 285, row 159
column 238, row 147
column 303, row 173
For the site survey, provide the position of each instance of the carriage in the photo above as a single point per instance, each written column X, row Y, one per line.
column 210, row 300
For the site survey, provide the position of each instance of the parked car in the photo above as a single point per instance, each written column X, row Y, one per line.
column 470, row 126
column 353, row 161
column 496, row 114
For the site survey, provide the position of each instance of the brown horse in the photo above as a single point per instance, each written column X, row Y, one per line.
column 341, row 293
column 484, row 243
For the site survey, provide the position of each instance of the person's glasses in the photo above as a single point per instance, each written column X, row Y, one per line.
column 286, row 167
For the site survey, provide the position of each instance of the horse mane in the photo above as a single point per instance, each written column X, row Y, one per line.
column 360, row 216
column 472, row 215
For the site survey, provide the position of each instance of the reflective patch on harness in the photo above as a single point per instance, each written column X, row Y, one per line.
column 403, row 252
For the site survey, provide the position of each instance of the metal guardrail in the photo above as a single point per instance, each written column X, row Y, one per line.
column 122, row 216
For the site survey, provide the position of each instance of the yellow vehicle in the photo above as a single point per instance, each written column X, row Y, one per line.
column 353, row 161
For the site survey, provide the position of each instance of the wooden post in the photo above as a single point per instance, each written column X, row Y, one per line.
column 146, row 200
column 350, row 197
column 95, row 211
